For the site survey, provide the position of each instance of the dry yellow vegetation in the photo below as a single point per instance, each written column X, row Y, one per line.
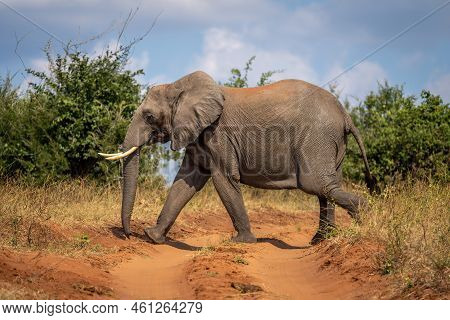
column 409, row 221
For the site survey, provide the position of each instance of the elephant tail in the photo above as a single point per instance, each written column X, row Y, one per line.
column 371, row 181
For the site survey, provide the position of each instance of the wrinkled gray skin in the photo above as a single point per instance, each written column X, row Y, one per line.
column 290, row 134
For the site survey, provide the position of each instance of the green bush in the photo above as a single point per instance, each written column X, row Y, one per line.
column 92, row 101
column 404, row 136
column 239, row 79
column 25, row 146
column 80, row 106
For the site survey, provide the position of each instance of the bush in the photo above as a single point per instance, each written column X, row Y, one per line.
column 239, row 79
column 403, row 136
column 25, row 146
column 81, row 106
column 92, row 101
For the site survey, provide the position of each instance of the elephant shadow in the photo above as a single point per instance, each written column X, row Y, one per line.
column 273, row 241
column 281, row 244
column 181, row 245
column 118, row 232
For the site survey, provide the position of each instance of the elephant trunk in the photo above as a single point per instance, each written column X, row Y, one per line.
column 137, row 135
column 130, row 177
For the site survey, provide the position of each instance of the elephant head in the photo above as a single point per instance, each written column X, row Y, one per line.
column 176, row 112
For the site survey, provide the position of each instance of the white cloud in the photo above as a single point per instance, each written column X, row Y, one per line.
column 40, row 3
column 135, row 62
column 140, row 61
column 101, row 47
column 303, row 38
column 224, row 50
column 441, row 86
column 412, row 60
column 186, row 12
column 359, row 81
column 159, row 79
column 39, row 64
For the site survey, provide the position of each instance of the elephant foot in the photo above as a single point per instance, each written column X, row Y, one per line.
column 318, row 237
column 155, row 235
column 322, row 234
column 246, row 237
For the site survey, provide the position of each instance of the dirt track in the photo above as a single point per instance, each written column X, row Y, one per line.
column 202, row 264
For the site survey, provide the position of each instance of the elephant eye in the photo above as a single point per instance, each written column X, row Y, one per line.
column 149, row 118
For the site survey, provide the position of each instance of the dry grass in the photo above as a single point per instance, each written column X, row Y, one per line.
column 56, row 216
column 411, row 222
column 11, row 292
column 256, row 199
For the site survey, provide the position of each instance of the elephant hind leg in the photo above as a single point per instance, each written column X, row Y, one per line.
column 348, row 201
column 334, row 193
column 328, row 189
column 326, row 221
column 321, row 175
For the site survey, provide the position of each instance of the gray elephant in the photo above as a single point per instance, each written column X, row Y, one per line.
column 286, row 135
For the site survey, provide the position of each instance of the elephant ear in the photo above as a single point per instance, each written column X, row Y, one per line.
column 197, row 102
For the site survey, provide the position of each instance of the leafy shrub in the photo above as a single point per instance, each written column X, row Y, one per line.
column 239, row 79
column 403, row 136
column 25, row 146
column 91, row 101
column 80, row 106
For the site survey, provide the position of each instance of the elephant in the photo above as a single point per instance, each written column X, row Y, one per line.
column 286, row 135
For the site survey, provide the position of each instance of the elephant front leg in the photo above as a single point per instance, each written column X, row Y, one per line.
column 230, row 194
column 326, row 221
column 188, row 181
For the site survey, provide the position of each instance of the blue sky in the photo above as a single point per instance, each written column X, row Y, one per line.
column 309, row 40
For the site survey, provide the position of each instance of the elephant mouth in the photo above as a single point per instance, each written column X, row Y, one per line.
column 161, row 136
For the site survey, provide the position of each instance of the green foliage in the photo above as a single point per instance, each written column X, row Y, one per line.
column 81, row 106
column 25, row 145
column 92, row 101
column 239, row 79
column 403, row 136
column 265, row 77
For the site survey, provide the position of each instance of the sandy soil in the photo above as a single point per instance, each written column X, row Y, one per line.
column 202, row 264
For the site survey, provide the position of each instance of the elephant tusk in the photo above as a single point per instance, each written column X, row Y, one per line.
column 109, row 154
column 122, row 155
